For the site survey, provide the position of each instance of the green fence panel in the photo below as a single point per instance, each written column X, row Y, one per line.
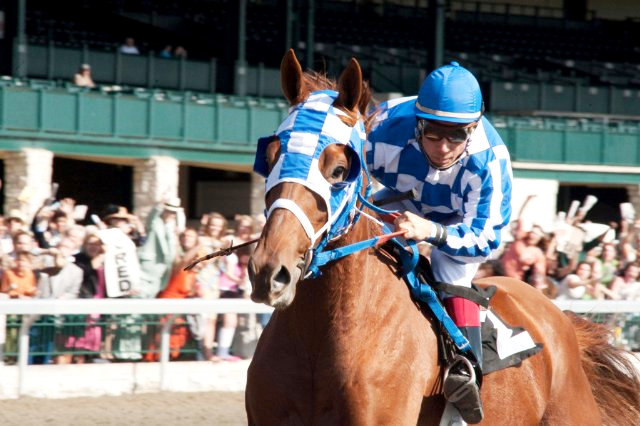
column 198, row 76
column 37, row 63
column 66, row 62
column 166, row 73
column 621, row 149
column 264, row 122
column 21, row 109
column 167, row 120
column 625, row 101
column 200, row 124
column 558, row 97
column 134, row 70
column 233, row 124
column 583, row 148
column 96, row 116
column 514, row 96
column 103, row 66
column 132, row 117
column 60, row 111
column 538, row 145
column 593, row 100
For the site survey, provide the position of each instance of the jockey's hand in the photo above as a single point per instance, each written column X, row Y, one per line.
column 416, row 227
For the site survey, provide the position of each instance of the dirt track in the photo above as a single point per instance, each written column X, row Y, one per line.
column 168, row 408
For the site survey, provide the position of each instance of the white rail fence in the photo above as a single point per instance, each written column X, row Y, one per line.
column 196, row 306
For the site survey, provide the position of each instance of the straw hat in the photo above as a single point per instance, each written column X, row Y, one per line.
column 173, row 204
column 121, row 213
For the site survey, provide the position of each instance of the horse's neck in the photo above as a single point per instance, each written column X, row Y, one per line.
column 356, row 287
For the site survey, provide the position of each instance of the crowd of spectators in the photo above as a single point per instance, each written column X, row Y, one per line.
column 576, row 259
column 54, row 256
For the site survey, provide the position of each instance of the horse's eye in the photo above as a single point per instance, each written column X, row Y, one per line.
column 338, row 172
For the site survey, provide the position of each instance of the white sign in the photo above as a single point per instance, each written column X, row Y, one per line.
column 121, row 265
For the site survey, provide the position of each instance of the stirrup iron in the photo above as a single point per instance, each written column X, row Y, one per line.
column 464, row 388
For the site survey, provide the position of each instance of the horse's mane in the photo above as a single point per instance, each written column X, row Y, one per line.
column 614, row 379
column 312, row 81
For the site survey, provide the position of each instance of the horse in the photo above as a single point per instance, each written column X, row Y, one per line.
column 351, row 347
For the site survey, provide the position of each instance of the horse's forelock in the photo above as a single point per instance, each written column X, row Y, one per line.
column 313, row 81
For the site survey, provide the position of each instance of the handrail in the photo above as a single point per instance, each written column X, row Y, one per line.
column 129, row 306
column 196, row 306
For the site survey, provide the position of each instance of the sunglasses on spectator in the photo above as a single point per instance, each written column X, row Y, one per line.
column 454, row 134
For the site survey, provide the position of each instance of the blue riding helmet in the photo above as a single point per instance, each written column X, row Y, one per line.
column 450, row 93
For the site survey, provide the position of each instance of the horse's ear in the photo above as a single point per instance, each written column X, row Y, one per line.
column 291, row 78
column 350, row 86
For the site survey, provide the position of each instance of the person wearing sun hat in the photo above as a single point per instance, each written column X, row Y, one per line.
column 160, row 248
column 439, row 147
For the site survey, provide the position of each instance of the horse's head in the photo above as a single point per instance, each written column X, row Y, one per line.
column 312, row 165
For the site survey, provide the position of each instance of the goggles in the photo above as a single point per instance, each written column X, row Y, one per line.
column 435, row 132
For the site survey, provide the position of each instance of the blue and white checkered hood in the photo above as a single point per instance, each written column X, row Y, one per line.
column 310, row 127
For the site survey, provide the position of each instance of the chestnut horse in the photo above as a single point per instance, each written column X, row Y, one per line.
column 352, row 347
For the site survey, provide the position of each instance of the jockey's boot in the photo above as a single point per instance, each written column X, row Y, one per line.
column 463, row 377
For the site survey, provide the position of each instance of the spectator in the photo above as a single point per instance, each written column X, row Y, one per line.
column 523, row 259
column 243, row 231
column 65, row 280
column 91, row 260
column 20, row 281
column 15, row 221
column 610, row 264
column 213, row 230
column 167, row 52
column 160, row 248
column 627, row 286
column 83, row 77
column 119, row 217
column 233, row 285
column 182, row 285
column 579, row 285
column 180, row 52
column 129, row 47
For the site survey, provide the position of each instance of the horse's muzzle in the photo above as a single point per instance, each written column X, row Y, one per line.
column 272, row 283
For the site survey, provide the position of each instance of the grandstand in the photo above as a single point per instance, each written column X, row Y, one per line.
column 555, row 77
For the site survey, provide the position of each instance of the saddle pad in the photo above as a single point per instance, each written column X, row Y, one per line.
column 504, row 346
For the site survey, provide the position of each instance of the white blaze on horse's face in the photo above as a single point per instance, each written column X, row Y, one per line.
column 312, row 166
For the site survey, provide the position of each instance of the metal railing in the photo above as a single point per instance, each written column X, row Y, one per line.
column 31, row 309
column 609, row 311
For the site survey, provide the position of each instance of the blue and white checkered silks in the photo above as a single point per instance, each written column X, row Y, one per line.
column 310, row 127
column 472, row 197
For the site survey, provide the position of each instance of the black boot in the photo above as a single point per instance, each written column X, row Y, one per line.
column 463, row 378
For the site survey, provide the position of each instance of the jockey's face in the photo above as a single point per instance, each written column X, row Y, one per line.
column 442, row 151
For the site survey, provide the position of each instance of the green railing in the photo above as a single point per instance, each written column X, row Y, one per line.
column 217, row 130
column 117, row 337
column 136, row 123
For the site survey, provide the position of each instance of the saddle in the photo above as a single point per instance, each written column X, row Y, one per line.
column 503, row 345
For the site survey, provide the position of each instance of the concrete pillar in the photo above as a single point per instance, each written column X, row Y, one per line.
column 257, row 194
column 27, row 180
column 154, row 180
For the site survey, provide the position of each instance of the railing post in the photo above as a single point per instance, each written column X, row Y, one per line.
column 164, row 351
column 23, row 350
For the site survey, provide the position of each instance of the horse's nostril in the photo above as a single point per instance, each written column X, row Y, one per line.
column 283, row 276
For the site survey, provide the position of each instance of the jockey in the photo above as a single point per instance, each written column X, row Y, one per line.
column 439, row 147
